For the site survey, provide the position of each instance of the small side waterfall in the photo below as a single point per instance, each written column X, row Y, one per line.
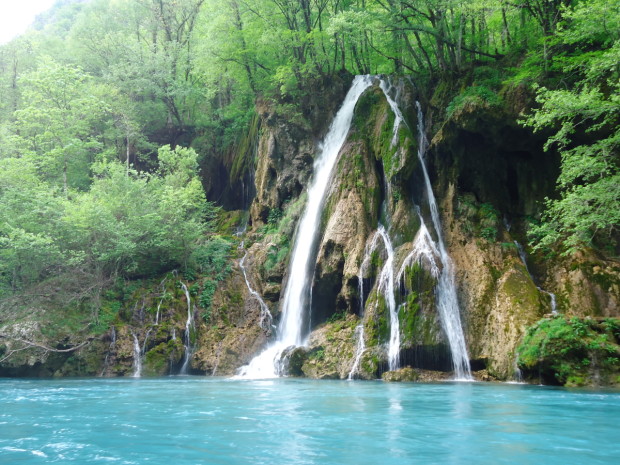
column 523, row 256
column 137, row 357
column 387, row 87
column 296, row 299
column 266, row 319
column 447, row 301
column 385, row 286
column 360, row 348
column 424, row 250
column 189, row 324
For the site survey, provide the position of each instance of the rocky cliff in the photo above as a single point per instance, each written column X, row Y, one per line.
column 489, row 176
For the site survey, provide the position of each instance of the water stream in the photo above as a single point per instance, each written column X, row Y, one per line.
column 296, row 301
column 137, row 357
column 187, row 340
column 266, row 319
column 360, row 347
column 385, row 287
column 423, row 251
column 447, row 301
column 523, row 256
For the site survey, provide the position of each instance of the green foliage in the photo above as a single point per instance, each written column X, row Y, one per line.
column 569, row 348
column 483, row 219
column 586, row 132
column 275, row 215
column 213, row 257
column 317, row 354
column 206, row 298
column 472, row 97
column 278, row 252
column 338, row 316
column 126, row 223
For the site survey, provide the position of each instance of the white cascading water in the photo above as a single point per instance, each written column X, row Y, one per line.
column 266, row 319
column 385, row 286
column 447, row 301
column 551, row 295
column 187, row 341
column 387, row 87
column 360, row 347
column 424, row 248
column 296, row 299
column 137, row 357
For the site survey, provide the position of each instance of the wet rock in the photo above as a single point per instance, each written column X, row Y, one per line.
column 402, row 374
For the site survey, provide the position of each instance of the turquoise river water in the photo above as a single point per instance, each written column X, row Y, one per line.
column 197, row 420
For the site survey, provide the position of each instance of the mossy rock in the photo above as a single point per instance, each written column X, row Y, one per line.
column 160, row 358
column 400, row 375
column 572, row 351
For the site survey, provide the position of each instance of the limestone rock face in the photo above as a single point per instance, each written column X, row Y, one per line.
column 586, row 285
column 289, row 143
column 331, row 350
column 497, row 294
column 400, row 375
column 350, row 214
column 488, row 177
column 233, row 334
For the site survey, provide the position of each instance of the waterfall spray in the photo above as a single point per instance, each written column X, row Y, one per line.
column 447, row 301
column 187, row 342
column 296, row 301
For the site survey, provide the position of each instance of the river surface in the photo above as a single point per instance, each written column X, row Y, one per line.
column 197, row 420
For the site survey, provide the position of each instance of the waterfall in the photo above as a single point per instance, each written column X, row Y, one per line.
column 386, row 87
column 187, row 342
column 296, row 299
column 137, row 357
column 424, row 248
column 447, row 301
column 522, row 256
column 360, row 348
column 552, row 299
column 385, row 286
column 162, row 285
column 266, row 319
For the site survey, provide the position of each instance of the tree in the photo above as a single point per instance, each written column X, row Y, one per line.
column 586, row 121
column 56, row 125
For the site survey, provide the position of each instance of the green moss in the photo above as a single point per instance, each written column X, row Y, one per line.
column 476, row 96
column 370, row 365
column 409, row 318
column 158, row 359
column 480, row 219
column 318, row 354
column 244, row 152
column 521, row 289
column 571, row 351
column 604, row 280
column 278, row 252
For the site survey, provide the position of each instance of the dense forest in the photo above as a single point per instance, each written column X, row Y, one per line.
column 115, row 114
